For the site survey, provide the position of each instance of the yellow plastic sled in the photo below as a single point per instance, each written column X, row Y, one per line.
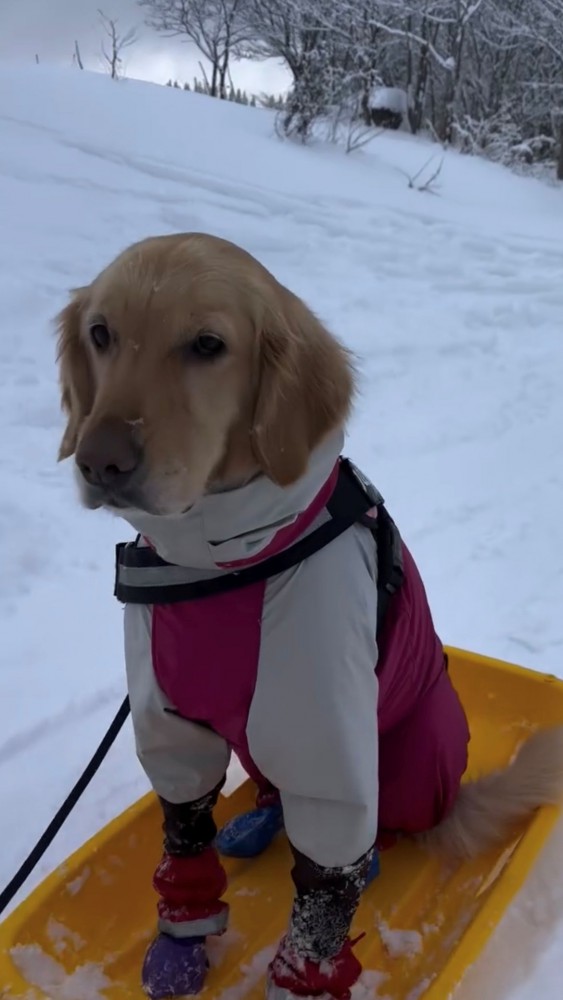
column 82, row 933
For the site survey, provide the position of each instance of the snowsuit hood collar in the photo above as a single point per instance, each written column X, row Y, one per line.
column 237, row 525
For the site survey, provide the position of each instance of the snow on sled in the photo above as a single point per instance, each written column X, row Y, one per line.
column 82, row 934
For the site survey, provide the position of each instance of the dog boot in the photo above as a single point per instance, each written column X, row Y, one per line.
column 292, row 975
column 189, row 909
column 248, row 835
column 373, row 870
column 174, row 967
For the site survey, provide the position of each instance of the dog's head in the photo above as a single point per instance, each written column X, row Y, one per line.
column 186, row 368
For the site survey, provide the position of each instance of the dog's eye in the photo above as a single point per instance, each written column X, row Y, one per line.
column 208, row 345
column 101, row 337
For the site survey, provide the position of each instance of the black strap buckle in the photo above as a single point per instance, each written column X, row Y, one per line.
column 353, row 497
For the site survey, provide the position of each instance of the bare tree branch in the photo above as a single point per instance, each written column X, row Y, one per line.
column 77, row 57
column 117, row 44
column 218, row 28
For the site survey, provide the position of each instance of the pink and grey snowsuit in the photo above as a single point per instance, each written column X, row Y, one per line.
column 358, row 740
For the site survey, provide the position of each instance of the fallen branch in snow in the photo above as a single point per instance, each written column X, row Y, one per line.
column 359, row 135
column 428, row 185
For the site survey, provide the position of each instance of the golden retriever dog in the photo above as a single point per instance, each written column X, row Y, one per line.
column 206, row 406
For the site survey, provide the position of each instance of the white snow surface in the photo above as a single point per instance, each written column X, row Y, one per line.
column 42, row 971
column 453, row 302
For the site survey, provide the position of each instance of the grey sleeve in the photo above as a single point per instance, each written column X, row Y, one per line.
column 312, row 727
column 183, row 760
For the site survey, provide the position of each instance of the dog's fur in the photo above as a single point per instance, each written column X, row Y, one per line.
column 282, row 383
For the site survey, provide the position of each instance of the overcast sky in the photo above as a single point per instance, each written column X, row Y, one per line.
column 49, row 28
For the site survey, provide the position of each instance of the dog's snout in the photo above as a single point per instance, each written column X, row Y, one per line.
column 109, row 454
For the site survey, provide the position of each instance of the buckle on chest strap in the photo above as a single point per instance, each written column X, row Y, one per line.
column 142, row 577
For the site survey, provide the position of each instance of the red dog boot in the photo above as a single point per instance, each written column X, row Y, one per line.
column 190, row 891
column 189, row 910
column 292, row 976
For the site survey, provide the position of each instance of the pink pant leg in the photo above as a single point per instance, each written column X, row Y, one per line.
column 421, row 762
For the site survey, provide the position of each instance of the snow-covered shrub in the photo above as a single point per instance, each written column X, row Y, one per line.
column 388, row 107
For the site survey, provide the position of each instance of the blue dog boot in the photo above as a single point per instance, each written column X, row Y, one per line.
column 248, row 835
column 374, row 869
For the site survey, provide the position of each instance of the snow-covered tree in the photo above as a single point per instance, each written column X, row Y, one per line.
column 218, row 28
column 485, row 75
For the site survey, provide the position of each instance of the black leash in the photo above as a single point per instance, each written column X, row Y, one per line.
column 68, row 805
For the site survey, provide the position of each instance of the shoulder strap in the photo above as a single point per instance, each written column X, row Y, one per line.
column 142, row 577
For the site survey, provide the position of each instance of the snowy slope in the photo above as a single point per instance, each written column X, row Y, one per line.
column 454, row 302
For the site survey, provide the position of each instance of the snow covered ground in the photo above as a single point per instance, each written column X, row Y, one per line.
column 454, row 302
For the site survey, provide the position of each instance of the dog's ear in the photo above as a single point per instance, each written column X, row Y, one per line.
column 305, row 388
column 75, row 377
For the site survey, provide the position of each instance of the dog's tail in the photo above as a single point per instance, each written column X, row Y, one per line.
column 489, row 810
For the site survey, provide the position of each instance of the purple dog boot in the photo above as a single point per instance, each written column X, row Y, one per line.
column 174, row 967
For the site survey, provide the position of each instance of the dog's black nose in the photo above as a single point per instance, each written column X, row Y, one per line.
column 109, row 453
